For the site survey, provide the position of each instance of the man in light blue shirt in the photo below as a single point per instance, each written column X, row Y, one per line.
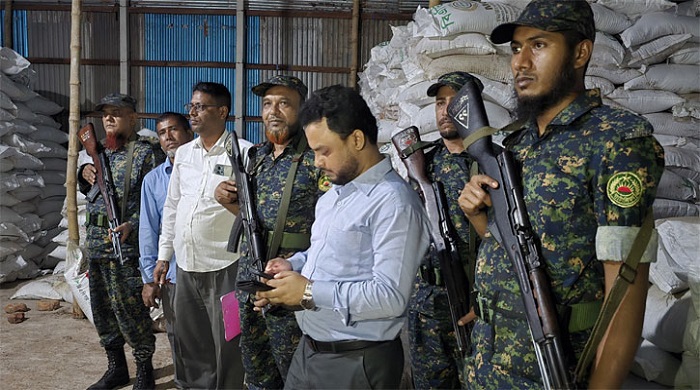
column 173, row 130
column 356, row 278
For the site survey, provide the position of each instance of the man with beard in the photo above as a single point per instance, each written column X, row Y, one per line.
column 115, row 288
column 173, row 131
column 195, row 229
column 355, row 280
column 435, row 359
column 282, row 168
column 589, row 175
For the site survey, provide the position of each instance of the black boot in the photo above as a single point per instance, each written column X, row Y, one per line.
column 144, row 376
column 117, row 373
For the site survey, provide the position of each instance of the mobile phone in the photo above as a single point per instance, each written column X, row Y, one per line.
column 252, row 286
column 262, row 274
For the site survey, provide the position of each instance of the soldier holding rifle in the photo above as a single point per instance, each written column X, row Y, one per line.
column 589, row 174
column 286, row 186
column 115, row 283
column 436, row 360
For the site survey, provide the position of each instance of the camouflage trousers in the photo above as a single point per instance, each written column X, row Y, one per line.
column 267, row 345
column 435, row 361
column 117, row 308
column 504, row 357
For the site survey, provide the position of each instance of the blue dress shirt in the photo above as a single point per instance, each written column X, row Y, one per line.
column 154, row 190
column 366, row 244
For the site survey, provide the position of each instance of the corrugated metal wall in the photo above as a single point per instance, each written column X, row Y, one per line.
column 184, row 38
column 171, row 49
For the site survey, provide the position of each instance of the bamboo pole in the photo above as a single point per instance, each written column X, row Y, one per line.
column 433, row 3
column 354, row 43
column 73, row 126
column 8, row 24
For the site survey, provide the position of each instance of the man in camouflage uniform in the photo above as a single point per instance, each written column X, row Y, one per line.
column 435, row 360
column 589, row 175
column 268, row 342
column 115, row 288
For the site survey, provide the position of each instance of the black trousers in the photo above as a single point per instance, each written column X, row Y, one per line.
column 375, row 367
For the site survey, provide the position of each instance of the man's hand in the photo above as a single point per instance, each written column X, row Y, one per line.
column 277, row 265
column 160, row 272
column 474, row 199
column 89, row 173
column 288, row 290
column 226, row 193
column 469, row 317
column 125, row 229
column 149, row 293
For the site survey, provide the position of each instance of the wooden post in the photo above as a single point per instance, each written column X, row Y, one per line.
column 8, row 24
column 73, row 126
column 433, row 3
column 354, row 43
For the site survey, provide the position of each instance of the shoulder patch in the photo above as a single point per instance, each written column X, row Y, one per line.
column 625, row 189
column 324, row 184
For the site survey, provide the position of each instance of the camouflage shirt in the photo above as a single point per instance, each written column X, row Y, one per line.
column 269, row 180
column 566, row 174
column 452, row 170
column 147, row 156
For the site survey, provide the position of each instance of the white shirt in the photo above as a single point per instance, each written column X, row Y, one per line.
column 196, row 227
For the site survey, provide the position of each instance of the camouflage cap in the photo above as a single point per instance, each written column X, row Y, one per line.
column 285, row 81
column 550, row 16
column 117, row 100
column 454, row 80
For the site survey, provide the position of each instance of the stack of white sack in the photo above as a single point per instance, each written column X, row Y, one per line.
column 646, row 59
column 33, row 165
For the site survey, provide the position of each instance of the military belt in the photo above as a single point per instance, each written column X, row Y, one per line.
column 580, row 316
column 99, row 220
column 431, row 275
column 300, row 241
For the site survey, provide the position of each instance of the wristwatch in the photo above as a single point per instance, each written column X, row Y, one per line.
column 307, row 300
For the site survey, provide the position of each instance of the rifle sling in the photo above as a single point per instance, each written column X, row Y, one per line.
column 127, row 179
column 473, row 250
column 475, row 136
column 281, row 220
column 414, row 148
column 625, row 277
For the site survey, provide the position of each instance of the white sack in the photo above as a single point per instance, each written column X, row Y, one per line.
column 12, row 62
column 634, row 8
column 665, row 123
column 655, row 364
column 668, row 77
column 667, row 208
column 657, row 24
column 645, row 101
column 463, row 16
column 688, row 54
column 609, row 21
column 657, row 50
column 665, row 318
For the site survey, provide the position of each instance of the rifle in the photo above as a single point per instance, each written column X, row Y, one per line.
column 104, row 184
column 444, row 241
column 244, row 183
column 514, row 233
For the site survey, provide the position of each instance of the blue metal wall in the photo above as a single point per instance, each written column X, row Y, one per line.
column 168, row 37
column 19, row 31
column 253, row 131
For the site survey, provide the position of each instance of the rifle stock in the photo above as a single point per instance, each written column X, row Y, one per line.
column 105, row 184
column 441, row 231
column 515, row 234
column 252, row 227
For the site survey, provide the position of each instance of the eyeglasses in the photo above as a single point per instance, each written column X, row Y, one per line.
column 199, row 107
